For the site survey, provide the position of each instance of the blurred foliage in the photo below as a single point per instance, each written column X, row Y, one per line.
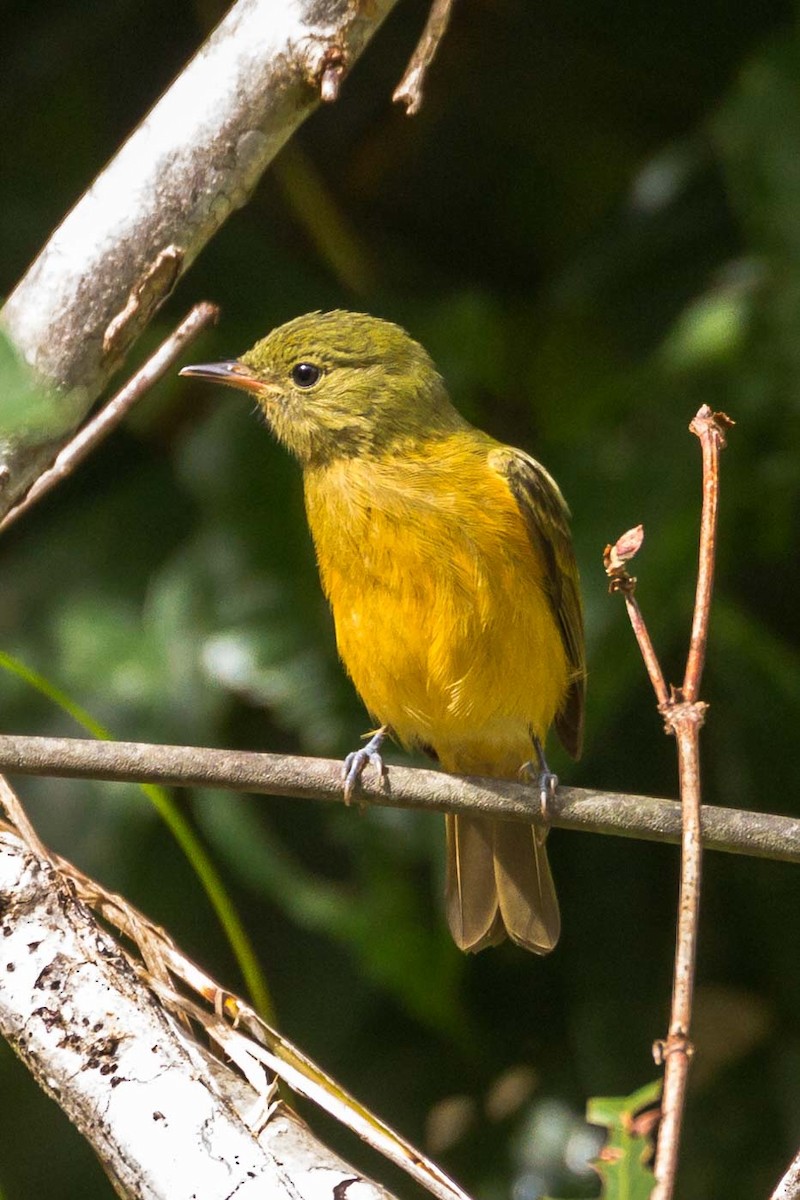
column 592, row 225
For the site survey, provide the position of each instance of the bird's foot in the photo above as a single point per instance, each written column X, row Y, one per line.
column 539, row 773
column 356, row 762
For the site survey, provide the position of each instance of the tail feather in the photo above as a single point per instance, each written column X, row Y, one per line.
column 470, row 894
column 525, row 891
column 499, row 884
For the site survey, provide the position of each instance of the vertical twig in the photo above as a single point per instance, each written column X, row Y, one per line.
column 710, row 429
column 683, row 716
column 676, row 1050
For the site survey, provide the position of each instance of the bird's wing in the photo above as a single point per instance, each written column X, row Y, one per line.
column 546, row 518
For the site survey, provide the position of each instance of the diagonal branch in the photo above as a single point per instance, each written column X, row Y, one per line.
column 761, row 834
column 194, row 160
column 165, row 1117
column 409, row 89
column 788, row 1187
column 118, row 1086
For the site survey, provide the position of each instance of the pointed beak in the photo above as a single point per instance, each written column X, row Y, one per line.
column 230, row 372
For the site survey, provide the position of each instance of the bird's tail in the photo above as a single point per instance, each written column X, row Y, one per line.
column 499, row 885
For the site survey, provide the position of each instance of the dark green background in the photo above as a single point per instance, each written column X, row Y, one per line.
column 594, row 226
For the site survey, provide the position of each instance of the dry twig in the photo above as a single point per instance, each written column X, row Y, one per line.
column 614, row 559
column 409, row 89
column 92, row 433
column 683, row 716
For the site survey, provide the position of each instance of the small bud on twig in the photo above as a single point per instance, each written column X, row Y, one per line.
column 625, row 548
column 705, row 421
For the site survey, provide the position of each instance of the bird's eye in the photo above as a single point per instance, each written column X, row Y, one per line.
column 305, row 374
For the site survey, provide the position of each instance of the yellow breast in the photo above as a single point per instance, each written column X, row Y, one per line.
column 441, row 617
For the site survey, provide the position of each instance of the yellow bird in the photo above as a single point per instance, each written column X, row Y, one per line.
column 448, row 563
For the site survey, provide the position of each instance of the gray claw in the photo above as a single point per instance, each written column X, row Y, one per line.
column 357, row 761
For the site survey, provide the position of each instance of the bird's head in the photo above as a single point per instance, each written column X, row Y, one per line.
column 338, row 384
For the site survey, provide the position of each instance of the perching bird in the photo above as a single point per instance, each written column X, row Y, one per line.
column 448, row 563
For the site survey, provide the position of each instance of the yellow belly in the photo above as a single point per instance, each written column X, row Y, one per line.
column 441, row 619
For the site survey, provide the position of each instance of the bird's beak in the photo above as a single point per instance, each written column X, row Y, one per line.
column 230, row 372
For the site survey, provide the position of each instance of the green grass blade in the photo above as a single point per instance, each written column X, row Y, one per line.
column 187, row 839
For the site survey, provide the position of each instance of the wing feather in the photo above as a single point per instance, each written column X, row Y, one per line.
column 546, row 517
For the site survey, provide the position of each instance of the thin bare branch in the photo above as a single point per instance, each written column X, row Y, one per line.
column 92, row 433
column 676, row 1051
column 614, row 559
column 710, row 428
column 409, row 89
column 763, row 835
column 9, row 802
column 684, row 715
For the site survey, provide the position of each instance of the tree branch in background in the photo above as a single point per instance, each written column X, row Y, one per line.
column 409, row 89
column 193, row 161
column 763, row 835
column 110, row 1037
column 683, row 715
column 110, row 415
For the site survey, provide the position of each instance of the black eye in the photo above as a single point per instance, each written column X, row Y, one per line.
column 305, row 374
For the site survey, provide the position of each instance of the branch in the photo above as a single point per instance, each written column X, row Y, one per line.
column 164, row 1116
column 614, row 559
column 789, row 1186
column 239, row 1035
column 683, row 715
column 193, row 161
column 763, row 835
column 409, row 89
column 710, row 428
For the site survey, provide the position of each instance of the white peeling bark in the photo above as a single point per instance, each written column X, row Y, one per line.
column 194, row 159
column 167, row 1120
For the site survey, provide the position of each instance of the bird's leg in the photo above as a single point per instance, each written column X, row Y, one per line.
column 355, row 763
column 546, row 779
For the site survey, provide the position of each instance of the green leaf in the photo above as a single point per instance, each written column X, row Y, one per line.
column 29, row 410
column 182, row 831
column 623, row 1162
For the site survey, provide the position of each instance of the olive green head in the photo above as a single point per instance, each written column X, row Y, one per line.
column 339, row 384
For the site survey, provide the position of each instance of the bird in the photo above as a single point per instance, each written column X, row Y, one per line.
column 448, row 562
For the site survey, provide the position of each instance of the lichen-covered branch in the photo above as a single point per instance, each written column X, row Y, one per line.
column 194, row 159
column 165, row 1117
column 788, row 1187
